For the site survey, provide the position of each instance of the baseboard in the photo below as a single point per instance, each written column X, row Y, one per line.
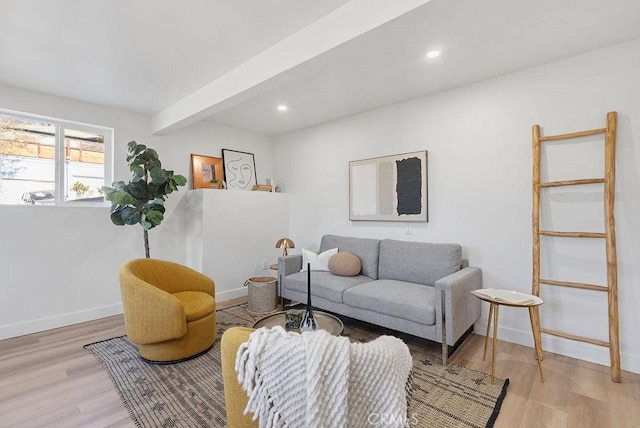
column 231, row 294
column 62, row 320
column 558, row 345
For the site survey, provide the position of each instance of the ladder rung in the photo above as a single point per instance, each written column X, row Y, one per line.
column 573, row 234
column 573, row 135
column 573, row 337
column 572, row 182
column 574, row 285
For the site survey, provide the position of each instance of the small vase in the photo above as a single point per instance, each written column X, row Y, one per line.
column 308, row 322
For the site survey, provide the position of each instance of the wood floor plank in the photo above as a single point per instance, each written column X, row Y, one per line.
column 49, row 380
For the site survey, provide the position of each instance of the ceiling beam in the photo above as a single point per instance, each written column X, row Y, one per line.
column 259, row 73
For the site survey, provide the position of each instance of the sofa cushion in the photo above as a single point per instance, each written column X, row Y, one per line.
column 367, row 250
column 317, row 261
column 420, row 262
column 345, row 264
column 407, row 300
column 323, row 284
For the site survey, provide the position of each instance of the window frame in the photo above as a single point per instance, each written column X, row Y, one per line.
column 60, row 125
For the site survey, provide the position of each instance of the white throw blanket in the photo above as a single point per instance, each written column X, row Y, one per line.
column 316, row 380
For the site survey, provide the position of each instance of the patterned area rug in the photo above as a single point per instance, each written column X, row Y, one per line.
column 190, row 394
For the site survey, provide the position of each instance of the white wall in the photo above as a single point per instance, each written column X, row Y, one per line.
column 59, row 265
column 478, row 139
column 232, row 233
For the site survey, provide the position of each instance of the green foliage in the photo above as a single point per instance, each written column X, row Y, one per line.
column 142, row 199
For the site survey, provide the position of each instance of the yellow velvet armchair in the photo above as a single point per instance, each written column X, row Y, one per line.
column 169, row 309
column 235, row 397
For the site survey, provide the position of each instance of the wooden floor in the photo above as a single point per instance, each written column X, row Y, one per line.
column 49, row 380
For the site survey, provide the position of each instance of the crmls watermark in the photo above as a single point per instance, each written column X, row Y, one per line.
column 392, row 420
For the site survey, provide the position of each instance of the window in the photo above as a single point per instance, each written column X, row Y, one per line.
column 45, row 161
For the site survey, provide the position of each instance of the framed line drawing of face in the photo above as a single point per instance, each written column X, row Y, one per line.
column 239, row 170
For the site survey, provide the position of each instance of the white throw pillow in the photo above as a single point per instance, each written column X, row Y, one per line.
column 318, row 261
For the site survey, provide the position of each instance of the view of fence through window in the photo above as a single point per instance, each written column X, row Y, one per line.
column 29, row 156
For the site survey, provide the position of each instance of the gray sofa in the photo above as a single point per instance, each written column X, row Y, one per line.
column 418, row 288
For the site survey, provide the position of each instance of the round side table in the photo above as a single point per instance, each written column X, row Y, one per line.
column 497, row 297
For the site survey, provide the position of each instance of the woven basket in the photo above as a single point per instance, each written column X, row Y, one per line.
column 262, row 295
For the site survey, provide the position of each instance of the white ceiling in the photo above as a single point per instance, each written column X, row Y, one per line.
column 233, row 61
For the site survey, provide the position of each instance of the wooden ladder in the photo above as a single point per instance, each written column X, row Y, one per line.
column 609, row 234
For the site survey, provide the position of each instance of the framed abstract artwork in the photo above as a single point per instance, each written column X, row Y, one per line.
column 389, row 188
column 239, row 170
column 204, row 169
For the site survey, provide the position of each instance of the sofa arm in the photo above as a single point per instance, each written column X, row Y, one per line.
column 461, row 308
column 286, row 266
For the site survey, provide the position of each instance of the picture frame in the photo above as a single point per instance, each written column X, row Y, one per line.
column 204, row 169
column 389, row 188
column 239, row 170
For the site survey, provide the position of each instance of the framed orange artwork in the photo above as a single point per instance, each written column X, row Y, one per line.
column 205, row 170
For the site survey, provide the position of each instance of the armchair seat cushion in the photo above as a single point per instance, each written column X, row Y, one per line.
column 407, row 300
column 197, row 304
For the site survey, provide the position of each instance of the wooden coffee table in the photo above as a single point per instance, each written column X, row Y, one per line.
column 327, row 322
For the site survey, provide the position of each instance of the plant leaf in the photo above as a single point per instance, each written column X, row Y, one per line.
column 151, row 154
column 139, row 191
column 120, row 197
column 139, row 149
column 130, row 215
column 117, row 219
column 158, row 175
column 131, row 147
column 137, row 173
column 154, row 217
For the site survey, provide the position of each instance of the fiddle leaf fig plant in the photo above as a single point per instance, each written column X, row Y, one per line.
column 141, row 200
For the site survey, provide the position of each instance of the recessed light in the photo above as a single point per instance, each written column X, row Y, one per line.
column 433, row 54
column 282, row 108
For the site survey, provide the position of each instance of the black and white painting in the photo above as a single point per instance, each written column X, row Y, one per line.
column 239, row 170
column 389, row 188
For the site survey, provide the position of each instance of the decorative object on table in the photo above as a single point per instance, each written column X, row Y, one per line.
column 263, row 187
column 262, row 294
column 292, row 319
column 239, row 169
column 309, row 322
column 190, row 392
column 285, row 244
column 325, row 321
column 389, row 188
column 142, row 199
column 206, row 172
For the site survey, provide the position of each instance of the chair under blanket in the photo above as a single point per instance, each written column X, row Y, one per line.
column 313, row 379
column 169, row 309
